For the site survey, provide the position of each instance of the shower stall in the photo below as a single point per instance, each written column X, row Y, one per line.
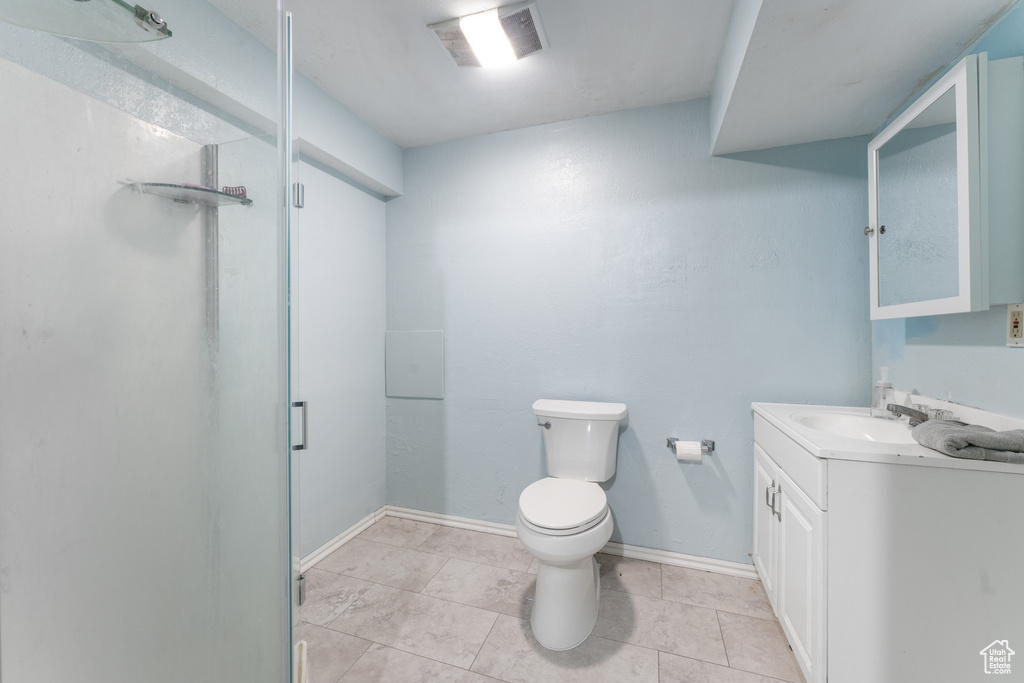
column 145, row 473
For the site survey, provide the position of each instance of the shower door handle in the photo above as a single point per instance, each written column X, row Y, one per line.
column 305, row 424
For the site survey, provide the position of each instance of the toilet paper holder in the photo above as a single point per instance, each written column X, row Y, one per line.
column 707, row 446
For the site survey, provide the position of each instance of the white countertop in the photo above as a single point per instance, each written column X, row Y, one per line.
column 826, row 445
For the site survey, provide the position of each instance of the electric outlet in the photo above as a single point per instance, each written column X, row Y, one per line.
column 1015, row 325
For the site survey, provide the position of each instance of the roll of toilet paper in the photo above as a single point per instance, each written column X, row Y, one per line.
column 688, row 451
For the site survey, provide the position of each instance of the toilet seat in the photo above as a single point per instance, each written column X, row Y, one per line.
column 560, row 507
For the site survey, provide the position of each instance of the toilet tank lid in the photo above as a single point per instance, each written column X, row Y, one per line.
column 579, row 410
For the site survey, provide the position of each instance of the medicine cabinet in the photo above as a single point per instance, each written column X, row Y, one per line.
column 945, row 196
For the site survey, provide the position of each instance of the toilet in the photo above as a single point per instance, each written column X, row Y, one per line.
column 564, row 519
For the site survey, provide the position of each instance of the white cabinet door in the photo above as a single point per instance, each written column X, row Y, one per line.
column 801, row 578
column 766, row 528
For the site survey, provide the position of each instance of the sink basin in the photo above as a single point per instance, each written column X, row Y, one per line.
column 857, row 426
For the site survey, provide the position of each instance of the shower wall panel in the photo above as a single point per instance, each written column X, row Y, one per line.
column 113, row 542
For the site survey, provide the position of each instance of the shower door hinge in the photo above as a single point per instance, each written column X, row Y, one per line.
column 302, row 589
column 298, row 195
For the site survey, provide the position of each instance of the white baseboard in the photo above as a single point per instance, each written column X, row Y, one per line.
column 707, row 564
column 451, row 520
column 340, row 540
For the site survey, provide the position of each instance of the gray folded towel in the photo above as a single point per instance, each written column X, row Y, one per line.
column 971, row 441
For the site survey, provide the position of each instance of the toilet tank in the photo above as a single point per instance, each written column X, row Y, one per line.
column 583, row 438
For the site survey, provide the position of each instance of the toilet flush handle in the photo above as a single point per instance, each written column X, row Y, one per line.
column 545, row 425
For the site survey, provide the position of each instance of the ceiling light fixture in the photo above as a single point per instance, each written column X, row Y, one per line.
column 492, row 38
column 488, row 40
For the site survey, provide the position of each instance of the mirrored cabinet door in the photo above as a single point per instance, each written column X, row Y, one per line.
column 918, row 255
column 946, row 196
column 928, row 217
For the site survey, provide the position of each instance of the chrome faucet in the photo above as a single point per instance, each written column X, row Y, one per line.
column 916, row 417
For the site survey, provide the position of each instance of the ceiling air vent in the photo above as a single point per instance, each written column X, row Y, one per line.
column 520, row 23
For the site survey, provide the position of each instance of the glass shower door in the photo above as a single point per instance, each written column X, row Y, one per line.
column 251, row 348
column 144, row 527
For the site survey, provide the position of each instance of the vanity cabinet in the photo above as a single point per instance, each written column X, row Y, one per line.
column 885, row 562
column 789, row 554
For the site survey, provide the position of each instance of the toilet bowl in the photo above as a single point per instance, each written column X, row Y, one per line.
column 568, row 591
column 564, row 519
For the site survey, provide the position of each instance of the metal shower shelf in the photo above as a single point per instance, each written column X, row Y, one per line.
column 189, row 194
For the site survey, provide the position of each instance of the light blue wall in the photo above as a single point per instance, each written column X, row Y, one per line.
column 612, row 259
column 218, row 60
column 1005, row 38
column 94, row 71
column 960, row 357
column 211, row 81
column 338, row 334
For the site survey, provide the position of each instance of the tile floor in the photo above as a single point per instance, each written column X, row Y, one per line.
column 407, row 601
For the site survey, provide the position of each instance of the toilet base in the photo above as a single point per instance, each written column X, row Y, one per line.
column 566, row 603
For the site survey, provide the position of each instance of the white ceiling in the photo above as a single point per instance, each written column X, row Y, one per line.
column 378, row 58
column 822, row 69
column 813, row 69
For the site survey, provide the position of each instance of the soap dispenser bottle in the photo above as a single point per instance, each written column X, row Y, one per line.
column 882, row 395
